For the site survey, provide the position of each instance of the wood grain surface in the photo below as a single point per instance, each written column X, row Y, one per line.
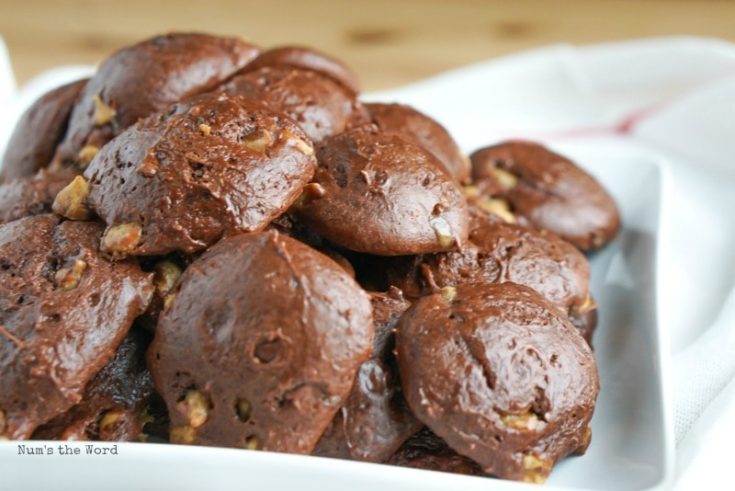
column 387, row 42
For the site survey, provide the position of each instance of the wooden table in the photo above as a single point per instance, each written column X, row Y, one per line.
column 388, row 42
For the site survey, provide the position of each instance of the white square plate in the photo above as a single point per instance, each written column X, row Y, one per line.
column 632, row 444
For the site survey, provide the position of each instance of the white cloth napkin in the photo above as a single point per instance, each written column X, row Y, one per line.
column 672, row 96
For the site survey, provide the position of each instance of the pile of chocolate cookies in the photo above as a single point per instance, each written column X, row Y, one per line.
column 206, row 243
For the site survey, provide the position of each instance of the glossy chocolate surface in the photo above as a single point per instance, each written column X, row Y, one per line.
column 286, row 324
column 64, row 310
column 500, row 375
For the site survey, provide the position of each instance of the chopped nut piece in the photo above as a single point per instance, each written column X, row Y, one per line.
column 310, row 192
column 535, row 469
column 166, row 275
column 442, row 230
column 182, row 434
column 55, row 165
column 597, row 239
column 68, row 278
column 302, row 146
column 146, row 417
column 448, row 293
column 196, row 408
column 586, row 438
column 243, row 409
column 499, row 207
column 504, row 178
column 86, row 154
column 313, row 190
column 252, row 443
column 109, row 418
column 122, row 239
column 588, row 304
column 71, row 202
column 333, row 400
column 168, row 300
column 523, row 421
column 205, row 129
column 471, row 191
column 103, row 113
column 259, row 141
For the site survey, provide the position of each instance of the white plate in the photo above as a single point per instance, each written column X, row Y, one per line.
column 632, row 444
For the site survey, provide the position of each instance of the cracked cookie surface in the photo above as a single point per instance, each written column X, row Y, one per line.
column 209, row 167
column 288, row 326
column 143, row 79
column 382, row 194
column 500, row 375
column 64, row 309
column 500, row 252
column 547, row 191
column 320, row 106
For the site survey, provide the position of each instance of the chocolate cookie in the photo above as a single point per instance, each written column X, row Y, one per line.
column 425, row 132
column 144, row 79
column 499, row 252
column 64, row 310
column 308, row 59
column 213, row 166
column 545, row 190
column 378, row 193
column 115, row 401
column 25, row 196
column 33, row 142
column 425, row 450
column 318, row 104
column 267, row 357
column 500, row 375
column 544, row 262
column 375, row 420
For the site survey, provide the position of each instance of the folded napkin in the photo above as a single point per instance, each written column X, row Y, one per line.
column 672, row 97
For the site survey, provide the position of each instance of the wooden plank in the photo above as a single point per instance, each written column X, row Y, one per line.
column 388, row 42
